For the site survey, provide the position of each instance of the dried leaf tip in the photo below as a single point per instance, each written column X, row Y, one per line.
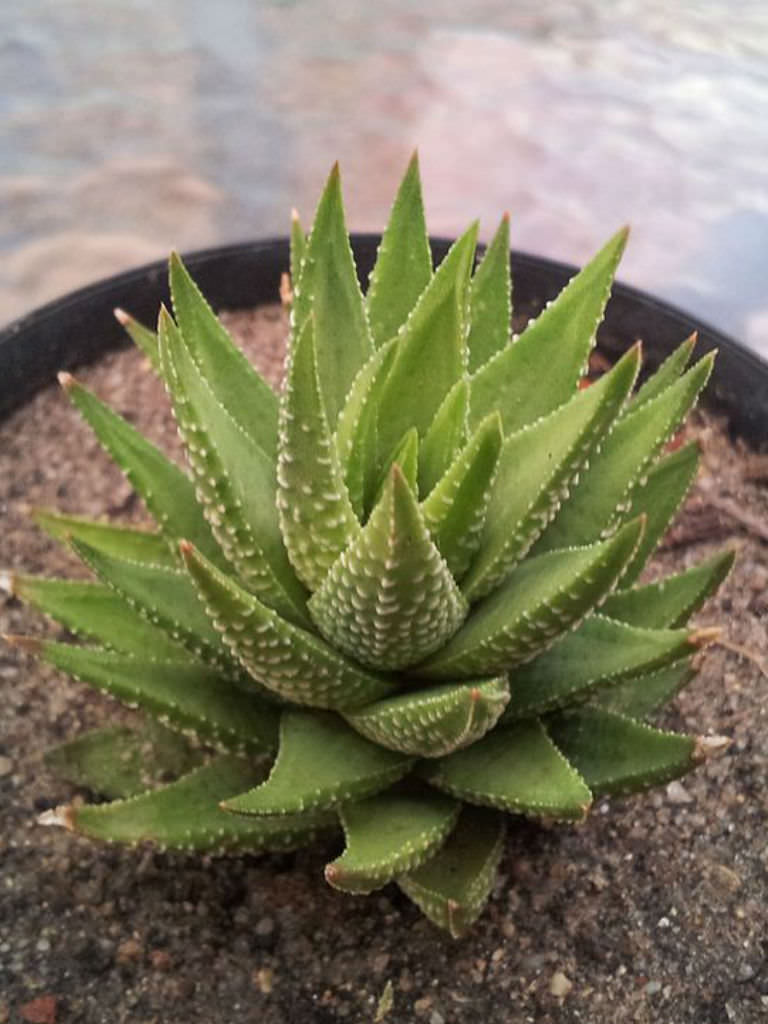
column 30, row 644
column 123, row 318
column 705, row 636
column 66, row 380
column 707, row 747
column 7, row 582
column 286, row 291
column 294, row 215
column 185, row 548
column 61, row 817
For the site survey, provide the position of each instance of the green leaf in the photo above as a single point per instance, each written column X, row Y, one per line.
column 320, row 763
column 236, row 385
column 94, row 610
column 406, row 456
column 390, row 599
column 669, row 371
column 538, row 601
column 298, row 249
column 615, row 754
column 435, row 721
column 455, row 509
column 121, row 541
column 142, row 337
column 639, row 696
column 552, row 351
column 452, row 888
column 431, row 352
column 536, row 468
column 186, row 815
column 328, row 288
column 658, row 497
column 120, row 762
column 317, row 521
column 404, row 261
column 164, row 597
column 491, row 301
column 240, row 505
column 445, row 436
column 670, row 602
column 166, row 490
column 356, row 435
column 601, row 495
column 516, row 768
column 187, row 697
column 291, row 662
column 598, row 653
column 390, row 834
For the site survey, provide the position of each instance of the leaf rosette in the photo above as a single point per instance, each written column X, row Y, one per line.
column 400, row 599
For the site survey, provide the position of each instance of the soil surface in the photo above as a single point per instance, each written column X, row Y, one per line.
column 654, row 910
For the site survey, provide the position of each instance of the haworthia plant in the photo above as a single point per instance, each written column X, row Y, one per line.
column 400, row 599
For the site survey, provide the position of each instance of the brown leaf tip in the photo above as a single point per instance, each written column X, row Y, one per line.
column 707, row 747
column 61, row 817
column 66, row 380
column 30, row 644
column 7, row 582
column 705, row 636
column 123, row 318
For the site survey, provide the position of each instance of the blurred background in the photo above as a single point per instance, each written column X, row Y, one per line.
column 131, row 126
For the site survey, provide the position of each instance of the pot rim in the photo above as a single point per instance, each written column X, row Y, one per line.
column 78, row 327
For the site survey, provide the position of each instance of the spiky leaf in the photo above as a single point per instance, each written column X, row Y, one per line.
column 291, row 662
column 403, row 265
column 669, row 371
column 388, row 835
column 316, row 516
column 516, row 768
column 639, row 696
column 390, row 599
column 617, row 755
column 431, row 352
column 452, row 888
column 538, row 601
column 537, row 466
column 119, row 762
column 320, row 763
column 162, row 596
column 445, row 437
column 599, row 652
column 186, row 815
column 240, row 506
column 552, row 350
column 167, row 492
column 455, row 509
column 94, row 610
column 188, row 697
column 120, row 541
column 600, row 498
column 491, row 301
column 658, row 496
column 142, row 337
column 435, row 721
column 670, row 602
column 234, row 382
column 328, row 289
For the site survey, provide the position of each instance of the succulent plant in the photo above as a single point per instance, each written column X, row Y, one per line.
column 401, row 598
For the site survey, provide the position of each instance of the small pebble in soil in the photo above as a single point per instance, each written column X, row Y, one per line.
column 560, row 985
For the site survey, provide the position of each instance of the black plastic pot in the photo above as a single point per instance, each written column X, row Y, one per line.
column 79, row 327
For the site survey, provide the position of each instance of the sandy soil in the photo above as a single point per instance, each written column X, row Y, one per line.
column 653, row 910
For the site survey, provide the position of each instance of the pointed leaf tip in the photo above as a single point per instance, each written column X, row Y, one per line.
column 707, row 747
column 123, row 318
column 58, row 817
column 66, row 380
